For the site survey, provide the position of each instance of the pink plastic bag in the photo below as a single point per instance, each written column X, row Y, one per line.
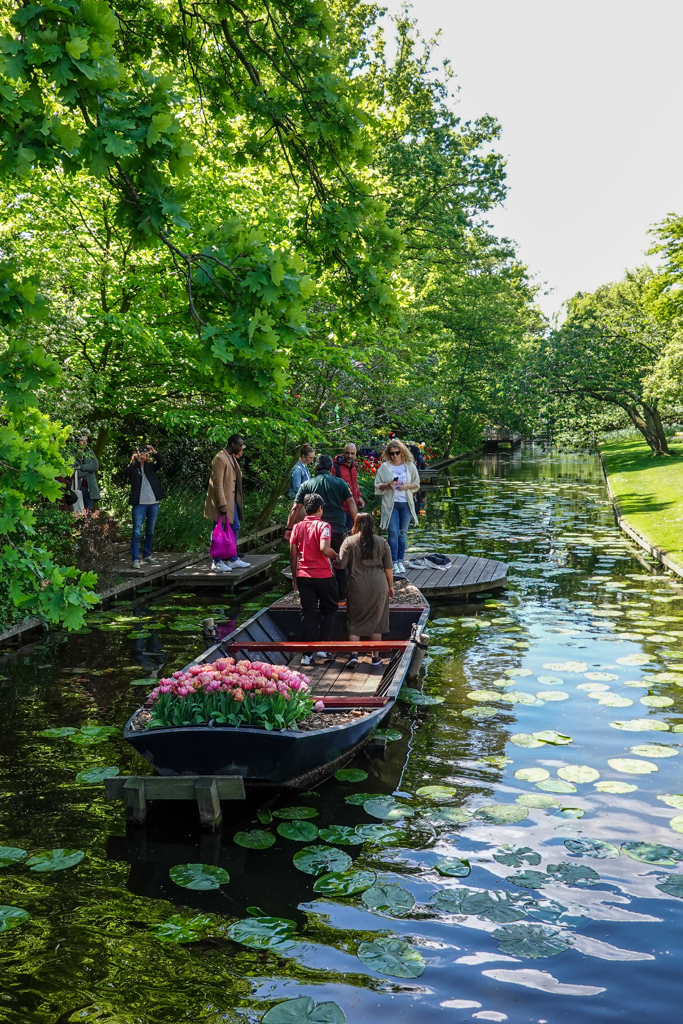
column 223, row 543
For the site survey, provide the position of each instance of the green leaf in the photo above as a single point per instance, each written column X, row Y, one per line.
column 592, row 848
column 392, row 957
column 537, row 800
column 457, row 815
column 412, row 696
column 652, row 853
column 556, row 786
column 436, row 792
column 532, row 774
column 318, row 860
column 389, row 898
column 672, row 885
column 182, row 929
column 500, row 907
column 296, row 813
column 531, row 940
column 386, row 808
column 614, row 786
column 263, row 933
column 12, row 917
column 55, row 860
column 256, row 839
column 58, row 733
column 452, row 867
column 304, row 1011
column 501, row 814
column 391, row 735
column 199, row 876
column 298, row 831
column 530, row 879
column 578, row 773
column 11, row 855
column 350, row 775
column 450, row 900
column 632, row 766
column 344, row 883
column 514, row 857
column 574, row 874
column 552, row 737
column 94, row 775
column 345, row 835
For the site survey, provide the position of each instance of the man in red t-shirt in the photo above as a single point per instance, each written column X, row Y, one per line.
column 312, row 576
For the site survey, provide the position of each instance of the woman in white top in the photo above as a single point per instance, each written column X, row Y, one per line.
column 397, row 480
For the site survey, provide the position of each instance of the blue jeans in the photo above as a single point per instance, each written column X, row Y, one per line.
column 235, row 529
column 142, row 513
column 398, row 530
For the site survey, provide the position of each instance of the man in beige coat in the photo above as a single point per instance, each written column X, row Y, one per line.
column 224, row 495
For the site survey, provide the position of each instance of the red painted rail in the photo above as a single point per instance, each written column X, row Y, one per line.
column 292, row 646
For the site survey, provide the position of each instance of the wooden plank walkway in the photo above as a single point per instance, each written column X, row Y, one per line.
column 200, row 573
column 466, row 575
column 167, row 561
column 333, row 679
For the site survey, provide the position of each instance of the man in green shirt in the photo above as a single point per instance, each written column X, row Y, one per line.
column 334, row 491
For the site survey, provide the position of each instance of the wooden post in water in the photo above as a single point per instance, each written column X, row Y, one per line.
column 208, row 803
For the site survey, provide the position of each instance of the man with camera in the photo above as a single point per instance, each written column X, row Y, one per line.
column 146, row 491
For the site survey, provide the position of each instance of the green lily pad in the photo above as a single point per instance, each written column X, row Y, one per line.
column 345, row 835
column 501, row 814
column 514, row 857
column 656, row 701
column 436, row 792
column 578, row 773
column 573, row 874
column 531, row 940
column 391, row 735
column 634, row 659
column 672, row 885
column 387, row 809
column 12, row 917
column 614, row 786
column 11, row 855
column 138, row 634
column 529, row 879
column 319, row 860
column 570, row 812
column 550, row 736
column 256, row 839
column 350, row 775
column 613, row 700
column 481, row 713
column 452, row 867
column 641, row 725
column 537, row 800
column 412, row 696
column 552, row 695
column 549, row 680
column 592, row 848
column 58, row 733
column 199, row 876
column 567, row 666
column 55, row 860
column 556, row 786
column 296, row 813
column 356, row 799
column 450, row 900
column 94, row 775
column 389, row 899
column 263, row 933
column 304, row 1011
column 672, row 799
column 677, row 823
column 532, row 774
column 518, row 673
column 456, row 815
column 653, row 750
column 376, row 833
column 298, row 831
column 151, row 683
column 344, row 883
column 524, row 739
column 392, row 957
column 485, row 695
column 601, row 677
column 652, row 853
column 632, row 766
column 500, row 907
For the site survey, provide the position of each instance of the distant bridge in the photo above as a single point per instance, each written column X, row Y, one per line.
column 496, row 439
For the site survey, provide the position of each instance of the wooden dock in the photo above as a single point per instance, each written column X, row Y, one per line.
column 466, row 575
column 165, row 562
column 201, row 574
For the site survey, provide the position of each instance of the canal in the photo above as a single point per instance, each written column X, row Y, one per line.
column 517, row 851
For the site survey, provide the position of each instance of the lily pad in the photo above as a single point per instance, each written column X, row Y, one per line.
column 672, row 799
column 263, row 933
column 151, row 683
column 672, row 885
column 376, row 833
column 531, row 940
column 634, row 659
column 529, row 879
column 298, row 831
column 450, row 900
column 567, row 666
column 592, row 848
column 518, row 673
column 458, row 815
column 11, row 855
column 556, row 786
column 319, row 860
column 552, row 737
column 653, row 853
column 387, row 809
column 350, row 775
column 524, row 739
column 55, row 860
column 12, row 917
column 345, row 835
column 640, row 725
column 537, row 800
column 501, row 814
column 58, row 733
column 452, row 867
column 256, row 839
column 632, row 766
column 514, row 857
column 412, row 696
column 485, row 695
column 656, row 701
column 654, row 750
column 573, row 874
column 393, row 957
column 388, row 734
column 296, row 813
column 344, row 883
column 552, row 695
column 199, row 876
column 570, row 812
column 389, row 899
column 614, row 786
column 677, row 823
column 601, row 677
column 304, row 1011
column 94, row 775
column 356, row 799
column 578, row 773
column 500, row 907
column 550, row 680
column 532, row 774
column 436, row 792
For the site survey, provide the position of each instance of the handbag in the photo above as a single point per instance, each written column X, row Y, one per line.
column 223, row 542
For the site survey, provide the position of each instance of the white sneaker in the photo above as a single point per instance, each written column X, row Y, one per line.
column 150, row 560
column 308, row 660
column 136, row 564
column 218, row 566
column 239, row 563
column 397, row 566
column 324, row 655
column 401, row 567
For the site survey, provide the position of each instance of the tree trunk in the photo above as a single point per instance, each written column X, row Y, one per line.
column 452, row 434
column 650, row 426
column 279, row 487
column 100, row 442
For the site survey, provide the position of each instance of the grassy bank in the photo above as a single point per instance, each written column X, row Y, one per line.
column 649, row 491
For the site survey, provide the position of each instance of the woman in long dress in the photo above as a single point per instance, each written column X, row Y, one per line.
column 371, row 583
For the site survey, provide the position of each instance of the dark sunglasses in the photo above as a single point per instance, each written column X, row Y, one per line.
column 395, row 451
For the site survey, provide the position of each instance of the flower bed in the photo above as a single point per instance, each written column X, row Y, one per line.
column 233, row 693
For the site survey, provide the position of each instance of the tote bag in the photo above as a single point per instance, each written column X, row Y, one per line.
column 223, row 543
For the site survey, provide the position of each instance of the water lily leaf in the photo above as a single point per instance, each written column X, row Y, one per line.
column 656, row 701
column 298, row 831
column 452, row 867
column 359, row 798
column 652, row 853
column 304, row 1011
column 567, row 666
column 592, row 848
column 458, row 815
column 296, row 813
column 532, row 774
column 570, row 812
column 601, row 677
column 256, row 839
column 376, row 833
column 614, row 786
column 199, row 876
column 94, row 775
column 151, row 683
column 350, row 775
column 58, row 733
column 641, row 725
column 12, row 917
column 436, row 792
column 501, row 814
column 529, row 879
column 524, row 739
column 518, row 673
column 389, row 899
column 634, row 659
column 578, row 773
column 519, row 697
column 672, row 799
column 388, row 734
column 672, row 885
column 345, row 835
column 556, row 786
column 11, row 855
column 55, row 860
column 500, row 907
column 550, row 736
column 319, row 860
column 573, row 874
column 481, row 713
column 531, row 940
column 677, row 823
column 593, row 688
column 537, row 800
column 344, row 883
column 486, row 695
column 451, row 900
column 514, row 857
column 263, row 933
column 138, row 634
column 612, row 700
column 552, row 695
column 412, row 696
column 653, row 750
column 387, row 809
column 550, row 680
column 392, row 957
column 632, row 766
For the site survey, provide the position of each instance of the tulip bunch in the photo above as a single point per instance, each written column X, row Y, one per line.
column 233, row 693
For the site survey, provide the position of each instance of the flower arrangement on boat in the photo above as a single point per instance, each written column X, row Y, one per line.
column 227, row 692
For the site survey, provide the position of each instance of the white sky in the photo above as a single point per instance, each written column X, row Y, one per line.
column 589, row 94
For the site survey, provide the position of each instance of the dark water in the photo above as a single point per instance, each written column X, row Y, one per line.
column 580, row 617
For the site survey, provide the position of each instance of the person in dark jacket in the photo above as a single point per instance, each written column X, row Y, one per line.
column 146, row 491
column 344, row 466
column 84, row 473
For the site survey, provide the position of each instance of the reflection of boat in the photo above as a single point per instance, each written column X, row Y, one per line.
column 359, row 698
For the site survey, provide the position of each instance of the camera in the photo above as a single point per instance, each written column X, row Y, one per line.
column 143, row 449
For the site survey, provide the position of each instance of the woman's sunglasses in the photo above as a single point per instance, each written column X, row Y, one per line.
column 395, row 451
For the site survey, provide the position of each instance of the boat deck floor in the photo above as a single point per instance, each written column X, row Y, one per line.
column 333, row 679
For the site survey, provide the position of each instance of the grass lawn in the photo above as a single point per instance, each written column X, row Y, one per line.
column 649, row 491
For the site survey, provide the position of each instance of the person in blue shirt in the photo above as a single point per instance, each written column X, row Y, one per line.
column 301, row 473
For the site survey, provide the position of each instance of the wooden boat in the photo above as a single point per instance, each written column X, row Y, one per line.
column 360, row 698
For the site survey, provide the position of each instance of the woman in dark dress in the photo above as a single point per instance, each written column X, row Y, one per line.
column 371, row 583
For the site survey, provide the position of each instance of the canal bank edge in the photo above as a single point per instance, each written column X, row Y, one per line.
column 647, row 543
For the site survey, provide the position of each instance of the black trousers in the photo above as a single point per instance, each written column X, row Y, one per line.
column 341, row 575
column 318, row 607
